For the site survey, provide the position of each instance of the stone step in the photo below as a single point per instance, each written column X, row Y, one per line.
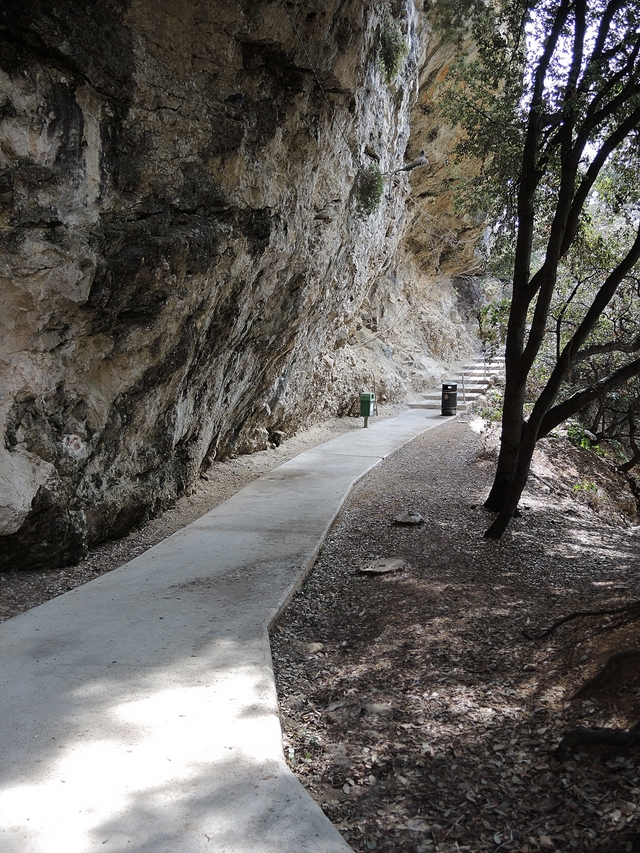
column 437, row 397
column 479, row 370
column 477, row 378
column 428, row 404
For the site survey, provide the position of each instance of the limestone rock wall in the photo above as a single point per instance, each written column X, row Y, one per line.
column 183, row 272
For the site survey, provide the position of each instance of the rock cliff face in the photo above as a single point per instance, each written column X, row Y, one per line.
column 184, row 273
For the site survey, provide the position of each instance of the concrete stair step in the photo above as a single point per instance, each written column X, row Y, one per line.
column 436, row 398
column 431, row 404
column 477, row 378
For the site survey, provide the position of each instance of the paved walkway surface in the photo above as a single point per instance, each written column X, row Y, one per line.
column 139, row 711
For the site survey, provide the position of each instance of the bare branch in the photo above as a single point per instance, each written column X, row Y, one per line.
column 603, row 31
column 569, row 407
column 611, row 346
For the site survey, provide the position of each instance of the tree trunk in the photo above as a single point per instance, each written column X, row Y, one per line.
column 635, row 450
column 574, row 106
column 510, row 440
column 518, row 482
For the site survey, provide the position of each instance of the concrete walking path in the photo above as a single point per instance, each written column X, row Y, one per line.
column 139, row 711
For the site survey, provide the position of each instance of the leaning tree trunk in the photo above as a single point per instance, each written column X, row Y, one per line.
column 529, row 436
column 635, row 450
column 510, row 441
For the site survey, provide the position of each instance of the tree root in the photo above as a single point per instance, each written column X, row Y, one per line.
column 578, row 613
column 619, row 738
column 613, row 663
column 607, row 737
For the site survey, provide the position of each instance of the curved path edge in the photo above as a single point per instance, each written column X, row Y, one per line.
column 139, row 711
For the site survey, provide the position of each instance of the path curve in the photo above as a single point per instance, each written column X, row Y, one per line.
column 139, row 711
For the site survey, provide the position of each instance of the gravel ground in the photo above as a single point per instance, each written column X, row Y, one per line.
column 413, row 707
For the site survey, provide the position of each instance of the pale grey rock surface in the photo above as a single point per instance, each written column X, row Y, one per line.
column 183, row 276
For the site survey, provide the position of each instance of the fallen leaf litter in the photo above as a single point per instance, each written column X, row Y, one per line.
column 427, row 721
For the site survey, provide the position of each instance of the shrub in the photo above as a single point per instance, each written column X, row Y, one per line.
column 585, row 486
column 392, row 46
column 577, row 437
column 490, row 409
column 492, row 325
column 586, row 491
column 369, row 187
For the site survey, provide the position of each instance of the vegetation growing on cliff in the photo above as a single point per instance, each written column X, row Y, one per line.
column 392, row 46
column 368, row 189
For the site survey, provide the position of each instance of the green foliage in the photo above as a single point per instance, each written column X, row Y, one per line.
column 536, row 380
column 392, row 46
column 577, row 436
column 492, row 325
column 547, row 94
column 489, row 90
column 369, row 187
column 482, row 94
column 617, row 186
column 585, row 486
column 602, row 239
column 491, row 411
column 453, row 18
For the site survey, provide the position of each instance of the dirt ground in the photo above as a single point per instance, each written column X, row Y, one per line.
column 414, row 707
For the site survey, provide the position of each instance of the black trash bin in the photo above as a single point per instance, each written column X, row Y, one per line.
column 449, row 398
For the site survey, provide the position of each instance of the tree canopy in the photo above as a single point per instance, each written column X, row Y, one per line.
column 550, row 103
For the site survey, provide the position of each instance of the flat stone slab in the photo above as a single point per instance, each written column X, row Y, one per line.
column 139, row 711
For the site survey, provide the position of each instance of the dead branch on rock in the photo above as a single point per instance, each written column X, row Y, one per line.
column 579, row 613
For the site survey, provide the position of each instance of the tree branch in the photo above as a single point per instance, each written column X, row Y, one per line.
column 564, row 410
column 601, row 300
column 611, row 346
column 607, row 147
column 529, row 174
column 611, row 83
column 603, row 31
column 579, row 614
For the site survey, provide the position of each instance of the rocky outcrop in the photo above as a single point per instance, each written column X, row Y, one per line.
column 186, row 272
